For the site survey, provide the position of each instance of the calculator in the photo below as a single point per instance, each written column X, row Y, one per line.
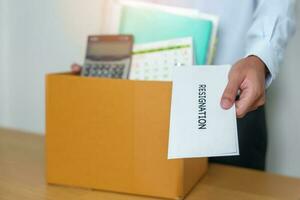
column 108, row 56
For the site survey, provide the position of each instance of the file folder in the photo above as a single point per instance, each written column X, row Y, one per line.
column 150, row 25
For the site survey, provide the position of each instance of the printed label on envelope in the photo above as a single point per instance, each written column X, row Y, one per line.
column 199, row 127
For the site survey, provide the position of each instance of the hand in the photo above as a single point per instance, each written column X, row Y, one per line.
column 248, row 76
column 75, row 68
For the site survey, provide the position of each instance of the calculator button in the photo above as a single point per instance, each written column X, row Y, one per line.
column 93, row 71
column 108, row 66
column 117, row 71
column 86, row 70
column 122, row 67
column 105, row 71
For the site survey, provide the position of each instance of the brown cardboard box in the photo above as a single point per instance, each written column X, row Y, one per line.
column 113, row 135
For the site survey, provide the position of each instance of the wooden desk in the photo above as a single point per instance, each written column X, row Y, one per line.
column 22, row 177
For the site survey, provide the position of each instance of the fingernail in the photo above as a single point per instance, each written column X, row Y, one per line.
column 226, row 104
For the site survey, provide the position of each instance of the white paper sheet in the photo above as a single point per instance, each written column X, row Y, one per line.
column 199, row 127
column 154, row 61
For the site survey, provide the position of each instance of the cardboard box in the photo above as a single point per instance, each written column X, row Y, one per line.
column 112, row 135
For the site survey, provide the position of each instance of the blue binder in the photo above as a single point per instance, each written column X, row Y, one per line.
column 151, row 25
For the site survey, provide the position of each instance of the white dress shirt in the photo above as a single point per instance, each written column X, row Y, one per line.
column 248, row 27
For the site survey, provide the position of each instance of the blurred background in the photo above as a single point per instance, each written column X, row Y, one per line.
column 39, row 37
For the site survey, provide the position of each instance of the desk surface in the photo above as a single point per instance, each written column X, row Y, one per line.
column 22, row 177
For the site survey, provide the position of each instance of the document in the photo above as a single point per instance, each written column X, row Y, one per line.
column 154, row 61
column 199, row 127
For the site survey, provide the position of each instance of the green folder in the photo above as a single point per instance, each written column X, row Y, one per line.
column 151, row 25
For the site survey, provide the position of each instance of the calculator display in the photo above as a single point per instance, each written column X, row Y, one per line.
column 108, row 56
column 115, row 49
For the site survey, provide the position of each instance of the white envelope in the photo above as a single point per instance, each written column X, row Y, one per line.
column 199, row 127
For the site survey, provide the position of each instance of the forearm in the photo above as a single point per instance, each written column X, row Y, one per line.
column 273, row 25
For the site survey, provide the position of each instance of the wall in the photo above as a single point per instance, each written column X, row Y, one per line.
column 283, row 113
column 38, row 37
column 44, row 36
column 1, row 62
column 3, row 74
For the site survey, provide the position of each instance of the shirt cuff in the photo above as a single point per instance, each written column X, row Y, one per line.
column 268, row 55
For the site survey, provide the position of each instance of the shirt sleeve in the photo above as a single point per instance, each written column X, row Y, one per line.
column 273, row 24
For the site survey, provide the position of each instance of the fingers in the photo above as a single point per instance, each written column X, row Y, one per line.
column 248, row 76
column 230, row 92
column 254, row 107
column 244, row 103
column 249, row 100
column 75, row 68
column 257, row 104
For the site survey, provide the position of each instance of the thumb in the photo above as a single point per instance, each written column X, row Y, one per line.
column 75, row 68
column 230, row 92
